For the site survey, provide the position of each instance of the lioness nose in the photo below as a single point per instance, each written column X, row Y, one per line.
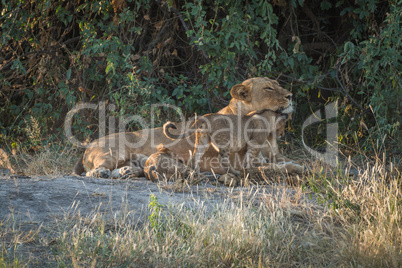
column 289, row 97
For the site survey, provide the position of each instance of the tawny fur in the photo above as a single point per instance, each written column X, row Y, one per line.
column 230, row 134
column 115, row 150
column 165, row 164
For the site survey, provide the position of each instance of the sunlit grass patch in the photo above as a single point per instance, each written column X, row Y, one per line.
column 36, row 156
column 228, row 234
column 281, row 228
column 13, row 236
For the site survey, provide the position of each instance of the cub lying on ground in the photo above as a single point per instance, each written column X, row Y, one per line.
column 231, row 134
column 166, row 162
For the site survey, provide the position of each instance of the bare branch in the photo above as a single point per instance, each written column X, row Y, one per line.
column 344, row 90
column 40, row 52
column 187, row 29
column 157, row 37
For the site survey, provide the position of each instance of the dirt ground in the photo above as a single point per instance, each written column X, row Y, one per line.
column 40, row 199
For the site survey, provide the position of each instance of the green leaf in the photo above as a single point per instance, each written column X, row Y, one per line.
column 301, row 3
column 291, row 62
column 29, row 93
column 68, row 75
column 325, row 5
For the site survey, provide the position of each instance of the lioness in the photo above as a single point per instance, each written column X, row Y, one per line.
column 230, row 134
column 115, row 150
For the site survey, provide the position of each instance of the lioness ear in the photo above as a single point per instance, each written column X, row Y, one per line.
column 160, row 147
column 241, row 92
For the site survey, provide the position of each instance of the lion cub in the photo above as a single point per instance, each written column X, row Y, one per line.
column 231, row 134
column 164, row 161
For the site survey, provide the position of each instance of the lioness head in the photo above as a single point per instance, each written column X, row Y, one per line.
column 262, row 93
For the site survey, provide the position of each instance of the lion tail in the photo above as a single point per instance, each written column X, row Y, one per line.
column 169, row 125
column 79, row 167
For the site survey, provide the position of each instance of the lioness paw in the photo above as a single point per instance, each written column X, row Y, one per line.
column 99, row 173
column 127, row 172
column 293, row 168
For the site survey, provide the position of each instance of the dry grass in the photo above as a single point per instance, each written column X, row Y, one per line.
column 375, row 225
column 13, row 235
column 358, row 224
column 31, row 157
column 49, row 161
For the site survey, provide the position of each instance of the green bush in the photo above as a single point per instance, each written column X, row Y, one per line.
column 377, row 63
column 132, row 54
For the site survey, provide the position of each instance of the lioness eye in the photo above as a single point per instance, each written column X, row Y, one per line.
column 268, row 88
